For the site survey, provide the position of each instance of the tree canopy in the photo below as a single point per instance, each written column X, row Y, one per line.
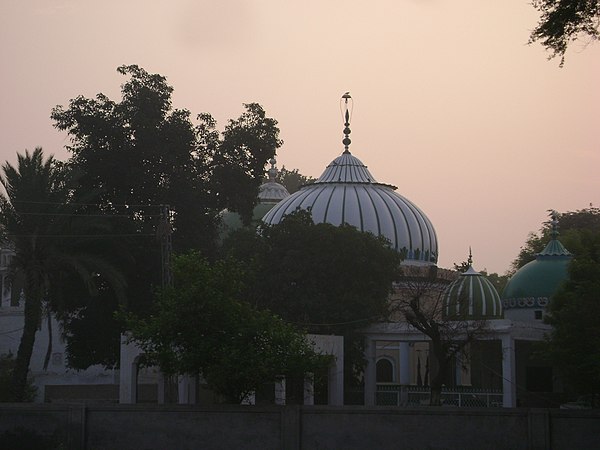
column 569, row 224
column 564, row 21
column 326, row 279
column 204, row 325
column 139, row 153
column 293, row 180
column 574, row 313
column 52, row 243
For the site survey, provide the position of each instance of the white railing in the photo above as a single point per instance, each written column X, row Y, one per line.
column 462, row 397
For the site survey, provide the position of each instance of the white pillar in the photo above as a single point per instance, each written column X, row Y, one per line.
column 160, row 392
column 509, row 378
column 186, row 390
column 404, row 380
column 128, row 371
column 404, row 357
column 309, row 389
column 335, row 377
column 370, row 374
column 280, row 391
column 458, row 368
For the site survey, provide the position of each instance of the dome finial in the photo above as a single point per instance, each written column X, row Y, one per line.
column 346, row 106
column 470, row 259
column 273, row 170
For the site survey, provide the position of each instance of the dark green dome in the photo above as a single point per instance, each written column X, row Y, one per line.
column 535, row 283
column 472, row 297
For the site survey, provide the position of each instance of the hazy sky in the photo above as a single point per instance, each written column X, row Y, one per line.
column 450, row 103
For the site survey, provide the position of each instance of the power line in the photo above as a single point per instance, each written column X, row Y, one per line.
column 87, row 215
column 78, row 235
column 126, row 205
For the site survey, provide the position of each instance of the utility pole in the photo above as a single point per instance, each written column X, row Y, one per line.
column 164, row 233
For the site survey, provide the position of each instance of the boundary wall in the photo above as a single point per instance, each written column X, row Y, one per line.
column 115, row 427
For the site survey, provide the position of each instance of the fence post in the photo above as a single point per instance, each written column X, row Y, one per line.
column 76, row 437
column 538, row 429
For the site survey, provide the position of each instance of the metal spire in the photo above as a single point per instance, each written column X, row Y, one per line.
column 273, row 170
column 470, row 259
column 346, row 106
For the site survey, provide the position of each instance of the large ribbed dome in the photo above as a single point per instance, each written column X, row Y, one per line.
column 472, row 297
column 346, row 192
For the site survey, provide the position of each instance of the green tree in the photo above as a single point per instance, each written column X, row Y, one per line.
column 569, row 223
column 574, row 313
column 563, row 22
column 293, row 180
column 139, row 153
column 203, row 325
column 49, row 241
column 240, row 157
column 326, row 279
column 7, row 364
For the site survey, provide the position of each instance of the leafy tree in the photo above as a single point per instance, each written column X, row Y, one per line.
column 563, row 22
column 7, row 364
column 293, row 180
column 203, row 325
column 240, row 156
column 49, row 242
column 139, row 153
column 326, row 279
column 574, row 313
column 420, row 302
column 568, row 223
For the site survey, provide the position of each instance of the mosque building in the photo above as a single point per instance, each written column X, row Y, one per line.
column 497, row 370
column 397, row 354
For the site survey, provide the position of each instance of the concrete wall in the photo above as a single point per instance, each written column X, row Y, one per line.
column 183, row 427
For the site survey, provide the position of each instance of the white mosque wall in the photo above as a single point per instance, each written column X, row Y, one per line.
column 57, row 373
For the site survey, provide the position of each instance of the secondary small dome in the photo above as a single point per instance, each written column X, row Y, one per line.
column 536, row 282
column 269, row 194
column 472, row 297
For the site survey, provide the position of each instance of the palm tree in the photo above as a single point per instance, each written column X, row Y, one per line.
column 50, row 239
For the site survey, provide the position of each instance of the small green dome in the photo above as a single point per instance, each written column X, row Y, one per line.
column 472, row 297
column 535, row 283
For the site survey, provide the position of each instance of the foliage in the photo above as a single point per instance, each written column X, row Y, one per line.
column 203, row 325
column 293, row 180
column 240, row 156
column 7, row 364
column 574, row 313
column 139, row 153
column 420, row 301
column 327, row 279
column 563, row 22
column 50, row 241
column 569, row 223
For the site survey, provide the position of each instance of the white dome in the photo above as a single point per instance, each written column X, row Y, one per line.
column 346, row 192
column 271, row 191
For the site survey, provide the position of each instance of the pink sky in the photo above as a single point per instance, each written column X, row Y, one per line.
column 450, row 103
